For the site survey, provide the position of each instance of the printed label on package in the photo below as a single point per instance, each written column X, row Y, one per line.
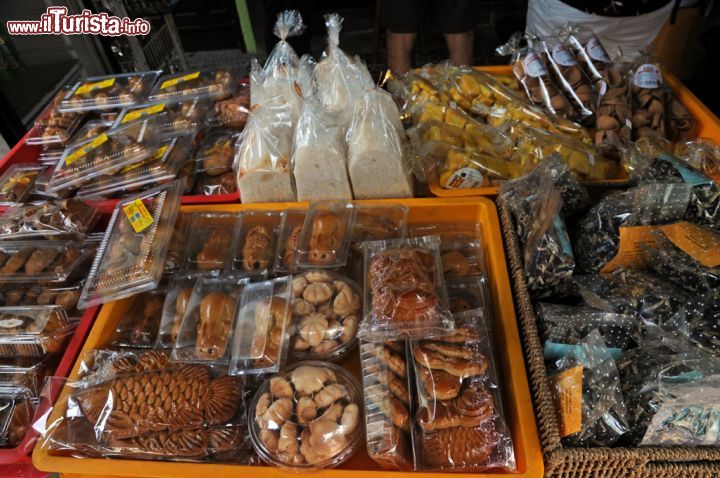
column 567, row 389
column 465, row 178
column 700, row 243
column 597, row 51
column 630, row 254
column 648, row 76
column 563, row 56
column 138, row 215
column 534, row 66
column 179, row 79
column 99, row 85
column 139, row 113
column 71, row 158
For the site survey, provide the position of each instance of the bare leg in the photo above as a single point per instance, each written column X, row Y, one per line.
column 460, row 47
column 399, row 49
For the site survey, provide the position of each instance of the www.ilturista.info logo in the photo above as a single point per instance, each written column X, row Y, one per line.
column 56, row 21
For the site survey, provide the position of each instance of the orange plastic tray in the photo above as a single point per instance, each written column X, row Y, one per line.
column 708, row 126
column 511, row 367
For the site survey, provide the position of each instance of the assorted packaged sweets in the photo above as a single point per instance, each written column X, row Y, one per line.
column 53, row 128
column 216, row 84
column 17, row 182
column 70, row 218
column 108, row 92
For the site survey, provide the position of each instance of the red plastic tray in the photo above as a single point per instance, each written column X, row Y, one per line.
column 16, row 462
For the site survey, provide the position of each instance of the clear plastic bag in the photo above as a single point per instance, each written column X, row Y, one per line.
column 69, row 218
column 25, row 372
column 131, row 256
column 325, row 237
column 702, row 154
column 697, row 321
column 648, row 98
column 326, row 311
column 307, row 417
column 16, row 414
column 255, row 242
column 17, row 182
column 649, row 297
column 208, row 248
column 405, row 294
column 217, row 84
column 139, row 326
column 614, row 116
column 588, row 50
column 261, row 336
column 563, row 328
column 319, row 160
column 33, row 331
column 590, row 405
column 233, row 112
column 680, row 123
column 108, row 92
column 215, row 156
column 376, row 162
column 387, row 404
column 211, row 185
column 460, row 424
column 569, row 77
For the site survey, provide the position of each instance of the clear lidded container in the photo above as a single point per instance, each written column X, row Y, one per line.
column 109, row 91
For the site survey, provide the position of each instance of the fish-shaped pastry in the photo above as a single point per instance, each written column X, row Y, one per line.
column 160, row 400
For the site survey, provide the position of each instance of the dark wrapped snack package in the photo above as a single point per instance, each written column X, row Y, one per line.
column 698, row 323
column 590, row 405
column 647, row 296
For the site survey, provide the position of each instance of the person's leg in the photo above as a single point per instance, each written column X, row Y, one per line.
column 457, row 20
column 400, row 19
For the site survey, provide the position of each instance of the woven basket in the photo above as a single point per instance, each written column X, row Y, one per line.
column 605, row 462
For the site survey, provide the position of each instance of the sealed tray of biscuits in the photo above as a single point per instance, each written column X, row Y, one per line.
column 107, row 153
column 25, row 372
column 260, row 340
column 16, row 413
column 326, row 311
column 215, row 155
column 32, row 330
column 206, row 331
column 131, row 256
column 160, row 167
column 325, row 237
column 65, row 296
column 139, row 326
column 405, row 295
column 50, row 262
column 291, row 224
column 307, row 417
column 177, row 298
column 459, row 424
column 209, row 243
column 217, row 84
column 255, row 242
column 183, row 116
column 17, row 182
column 52, row 127
column 61, row 219
column 386, row 391
column 109, row 91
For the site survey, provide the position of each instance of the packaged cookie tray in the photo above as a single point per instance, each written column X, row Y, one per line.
column 516, row 398
column 17, row 182
column 182, row 116
column 217, row 84
column 708, row 126
column 60, row 219
column 108, row 92
column 50, row 262
column 563, row 461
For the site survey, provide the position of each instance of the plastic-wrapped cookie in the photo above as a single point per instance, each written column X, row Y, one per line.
column 307, row 417
column 326, row 309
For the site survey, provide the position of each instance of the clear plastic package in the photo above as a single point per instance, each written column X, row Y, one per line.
column 563, row 327
column 377, row 165
column 49, row 262
column 648, row 98
column 50, row 156
column 17, row 182
column 215, row 156
column 614, row 117
column 162, row 166
column 326, row 311
column 177, row 250
column 69, row 218
column 702, row 154
column 260, row 339
column 53, row 128
column 32, row 331
column 459, row 423
column 139, row 326
column 468, row 293
column 319, row 160
column 90, row 130
column 16, row 414
column 588, row 50
column 307, row 417
column 291, row 224
column 255, row 241
column 696, row 321
column 177, row 298
column 570, row 77
column 24, row 372
column 325, row 237
column 217, row 84
column 207, row 327
column 462, row 259
column 207, row 185
column 179, row 117
column 63, row 296
column 131, row 256
column 387, row 404
column 233, row 112
column 108, row 92
column 374, row 222
column 209, row 241
column 106, row 154
column 405, row 294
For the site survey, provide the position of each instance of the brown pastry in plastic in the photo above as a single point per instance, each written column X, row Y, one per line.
column 153, row 360
column 212, row 255
column 271, row 320
column 327, row 235
column 439, row 384
column 219, row 157
column 455, row 264
column 168, row 400
column 181, row 304
column 16, row 261
column 221, row 184
column 291, row 244
column 146, row 327
column 195, row 443
column 67, row 299
column 216, row 317
column 458, row 446
column 39, row 260
column 20, row 422
column 454, row 361
column 473, row 407
column 257, row 250
column 233, row 112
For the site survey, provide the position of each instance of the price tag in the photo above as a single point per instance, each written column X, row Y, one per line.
column 179, row 79
column 71, row 158
column 100, row 85
column 138, row 215
column 139, row 113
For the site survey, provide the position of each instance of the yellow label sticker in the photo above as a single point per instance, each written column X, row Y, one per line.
column 567, row 390
column 99, row 85
column 157, row 155
column 179, row 79
column 700, row 243
column 630, row 254
column 141, row 112
column 138, row 215
column 71, row 158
